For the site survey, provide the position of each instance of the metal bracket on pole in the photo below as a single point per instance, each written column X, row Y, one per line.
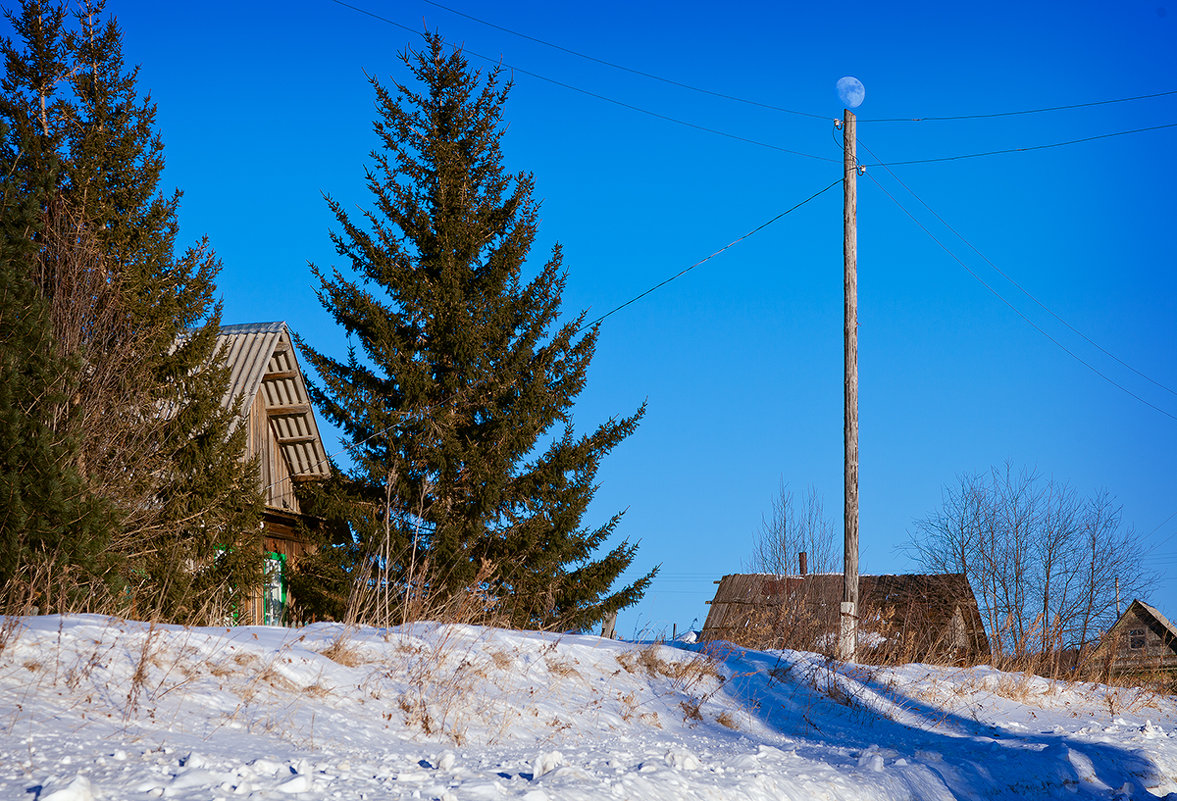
column 848, row 631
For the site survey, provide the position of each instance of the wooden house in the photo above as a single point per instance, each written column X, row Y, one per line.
column 924, row 618
column 1141, row 641
column 267, row 390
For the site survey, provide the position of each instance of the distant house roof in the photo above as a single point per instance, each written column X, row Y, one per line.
column 922, row 616
column 1164, row 621
column 1141, row 640
column 261, row 359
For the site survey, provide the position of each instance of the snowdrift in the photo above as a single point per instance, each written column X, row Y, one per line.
column 100, row 708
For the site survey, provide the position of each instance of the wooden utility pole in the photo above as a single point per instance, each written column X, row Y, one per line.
column 848, row 630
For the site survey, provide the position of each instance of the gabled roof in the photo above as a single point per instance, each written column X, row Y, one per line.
column 1138, row 606
column 261, row 359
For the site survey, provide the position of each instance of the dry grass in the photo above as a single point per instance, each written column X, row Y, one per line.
column 691, row 712
column 683, row 673
column 696, row 676
column 139, row 677
column 9, row 631
column 343, row 653
column 561, row 668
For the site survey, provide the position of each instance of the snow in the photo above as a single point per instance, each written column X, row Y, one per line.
column 96, row 709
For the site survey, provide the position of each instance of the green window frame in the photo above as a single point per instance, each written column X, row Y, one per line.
column 274, row 589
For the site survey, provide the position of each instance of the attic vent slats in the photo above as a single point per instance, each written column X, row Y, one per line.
column 263, row 362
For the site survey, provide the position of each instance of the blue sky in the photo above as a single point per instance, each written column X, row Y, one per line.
column 264, row 106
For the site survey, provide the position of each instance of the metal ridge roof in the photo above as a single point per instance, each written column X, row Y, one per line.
column 261, row 360
column 253, row 328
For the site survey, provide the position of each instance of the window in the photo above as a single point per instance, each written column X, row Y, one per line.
column 274, row 590
column 1135, row 639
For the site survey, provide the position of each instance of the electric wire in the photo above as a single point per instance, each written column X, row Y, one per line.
column 598, row 96
column 451, row 401
column 761, row 143
column 624, row 68
column 1017, row 113
column 1021, row 149
column 1020, row 288
column 1015, row 309
column 1166, row 540
column 771, row 107
column 705, row 259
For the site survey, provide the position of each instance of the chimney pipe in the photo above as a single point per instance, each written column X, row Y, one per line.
column 804, row 559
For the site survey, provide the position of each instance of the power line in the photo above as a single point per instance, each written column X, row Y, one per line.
column 598, row 96
column 450, row 401
column 1021, row 149
column 1015, row 309
column 686, row 270
column 1022, row 289
column 624, row 68
column 1016, row 113
column 769, row 106
column 1158, row 528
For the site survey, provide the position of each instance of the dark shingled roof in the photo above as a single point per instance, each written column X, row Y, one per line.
column 912, row 617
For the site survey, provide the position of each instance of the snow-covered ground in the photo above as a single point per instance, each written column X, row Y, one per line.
column 99, row 708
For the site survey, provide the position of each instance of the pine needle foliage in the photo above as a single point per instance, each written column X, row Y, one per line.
column 457, row 394
column 136, row 312
column 52, row 531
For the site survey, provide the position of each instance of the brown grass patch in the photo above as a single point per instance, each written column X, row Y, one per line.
column 342, row 653
column 561, row 668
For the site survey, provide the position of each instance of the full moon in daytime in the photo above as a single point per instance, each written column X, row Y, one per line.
column 851, row 91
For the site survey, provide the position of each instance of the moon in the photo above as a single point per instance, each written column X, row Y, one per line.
column 851, row 91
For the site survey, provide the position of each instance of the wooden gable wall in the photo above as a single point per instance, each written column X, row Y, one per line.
column 273, row 469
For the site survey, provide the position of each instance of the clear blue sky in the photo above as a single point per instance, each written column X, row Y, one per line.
column 265, row 106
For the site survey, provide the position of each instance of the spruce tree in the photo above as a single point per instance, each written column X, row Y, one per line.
column 140, row 315
column 469, row 480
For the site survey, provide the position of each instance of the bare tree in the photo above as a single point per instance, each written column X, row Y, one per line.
column 792, row 528
column 1042, row 561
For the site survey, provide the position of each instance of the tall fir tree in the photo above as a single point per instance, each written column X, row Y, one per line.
column 141, row 315
column 469, row 480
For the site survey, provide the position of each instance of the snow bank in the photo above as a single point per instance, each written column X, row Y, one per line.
column 94, row 708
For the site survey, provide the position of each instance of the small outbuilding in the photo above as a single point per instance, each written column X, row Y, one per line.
column 268, row 392
column 909, row 618
column 1141, row 641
